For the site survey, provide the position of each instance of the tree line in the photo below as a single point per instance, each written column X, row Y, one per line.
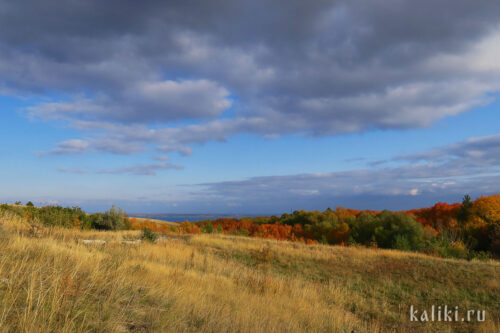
column 464, row 230
column 470, row 229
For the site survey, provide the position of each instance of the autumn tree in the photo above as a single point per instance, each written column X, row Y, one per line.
column 487, row 208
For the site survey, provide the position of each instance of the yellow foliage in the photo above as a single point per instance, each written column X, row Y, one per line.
column 487, row 208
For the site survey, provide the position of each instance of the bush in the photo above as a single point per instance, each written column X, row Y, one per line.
column 445, row 248
column 399, row 229
column 149, row 235
column 13, row 209
column 479, row 255
column 209, row 228
column 388, row 230
column 113, row 219
column 59, row 216
column 319, row 226
column 402, row 243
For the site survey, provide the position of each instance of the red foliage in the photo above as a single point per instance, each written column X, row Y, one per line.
column 436, row 219
column 440, row 216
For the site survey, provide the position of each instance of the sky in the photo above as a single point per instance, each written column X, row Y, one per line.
column 249, row 107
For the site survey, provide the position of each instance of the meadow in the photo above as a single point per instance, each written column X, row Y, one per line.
column 51, row 282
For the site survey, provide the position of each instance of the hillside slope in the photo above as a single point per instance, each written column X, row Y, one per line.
column 50, row 281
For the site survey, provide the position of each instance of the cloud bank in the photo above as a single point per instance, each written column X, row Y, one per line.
column 172, row 74
column 471, row 166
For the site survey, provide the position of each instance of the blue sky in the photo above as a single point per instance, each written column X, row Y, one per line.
column 182, row 109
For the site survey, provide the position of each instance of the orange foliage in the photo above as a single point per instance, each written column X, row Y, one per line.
column 189, row 228
column 134, row 224
column 339, row 235
column 161, row 228
column 438, row 217
column 274, row 231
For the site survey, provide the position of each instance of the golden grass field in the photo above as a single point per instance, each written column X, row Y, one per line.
column 142, row 220
column 51, row 282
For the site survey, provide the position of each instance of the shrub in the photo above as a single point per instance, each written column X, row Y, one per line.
column 393, row 227
column 113, row 219
column 19, row 211
column 445, row 248
column 402, row 243
column 209, row 228
column 479, row 255
column 59, row 216
column 149, row 235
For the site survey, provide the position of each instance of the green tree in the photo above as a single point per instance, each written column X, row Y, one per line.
column 363, row 228
column 465, row 210
column 399, row 229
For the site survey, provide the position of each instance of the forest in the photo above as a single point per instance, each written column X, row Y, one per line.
column 470, row 229
column 467, row 230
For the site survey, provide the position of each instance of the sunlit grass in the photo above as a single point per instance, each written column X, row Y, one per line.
column 51, row 282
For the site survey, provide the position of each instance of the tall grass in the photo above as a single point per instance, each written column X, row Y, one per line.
column 51, row 282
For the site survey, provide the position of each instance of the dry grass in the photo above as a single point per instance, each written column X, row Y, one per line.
column 143, row 219
column 50, row 282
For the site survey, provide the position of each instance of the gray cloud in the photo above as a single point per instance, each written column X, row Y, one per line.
column 161, row 158
column 183, row 150
column 443, row 174
column 174, row 70
column 482, row 152
column 77, row 171
column 470, row 166
column 160, row 101
column 142, row 170
column 74, row 146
